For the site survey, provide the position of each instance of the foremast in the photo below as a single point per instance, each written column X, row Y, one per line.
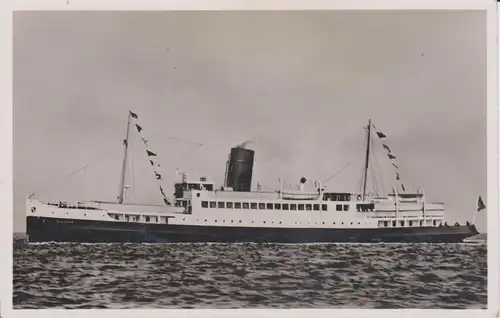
column 124, row 166
column 367, row 157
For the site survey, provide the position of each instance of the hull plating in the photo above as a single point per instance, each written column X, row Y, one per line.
column 40, row 229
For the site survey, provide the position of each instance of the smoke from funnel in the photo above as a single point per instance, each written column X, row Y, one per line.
column 243, row 144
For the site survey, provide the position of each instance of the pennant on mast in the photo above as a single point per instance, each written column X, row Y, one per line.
column 134, row 115
column 480, row 204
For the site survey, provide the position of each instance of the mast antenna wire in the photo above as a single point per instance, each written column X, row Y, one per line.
column 101, row 158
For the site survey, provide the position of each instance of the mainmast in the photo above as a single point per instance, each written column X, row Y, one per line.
column 122, row 179
column 367, row 158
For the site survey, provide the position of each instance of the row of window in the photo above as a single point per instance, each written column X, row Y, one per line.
column 337, row 197
column 137, row 218
column 70, row 206
column 277, row 222
column 403, row 223
column 154, row 219
column 271, row 206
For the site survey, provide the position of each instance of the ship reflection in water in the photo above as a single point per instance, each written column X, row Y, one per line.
column 250, row 276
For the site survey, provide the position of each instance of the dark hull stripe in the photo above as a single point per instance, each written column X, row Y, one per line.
column 41, row 229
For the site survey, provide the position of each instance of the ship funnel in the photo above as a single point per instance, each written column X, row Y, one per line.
column 239, row 169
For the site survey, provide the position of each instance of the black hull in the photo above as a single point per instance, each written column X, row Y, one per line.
column 40, row 229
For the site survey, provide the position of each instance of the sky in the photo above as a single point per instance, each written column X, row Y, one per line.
column 300, row 85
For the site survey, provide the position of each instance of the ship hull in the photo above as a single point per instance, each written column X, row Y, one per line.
column 42, row 229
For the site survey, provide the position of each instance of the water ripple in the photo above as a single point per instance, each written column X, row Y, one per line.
column 250, row 276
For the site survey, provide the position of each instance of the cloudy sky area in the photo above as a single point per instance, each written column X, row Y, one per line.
column 300, row 84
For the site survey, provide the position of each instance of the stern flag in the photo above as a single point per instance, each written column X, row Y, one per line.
column 134, row 115
column 480, row 204
column 381, row 135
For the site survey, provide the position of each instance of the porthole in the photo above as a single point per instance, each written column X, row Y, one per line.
column 264, row 222
column 205, row 220
column 198, row 195
column 351, row 223
column 252, row 221
column 232, row 221
column 342, row 223
column 215, row 221
column 280, row 222
column 359, row 223
column 323, row 222
column 184, row 219
column 240, row 221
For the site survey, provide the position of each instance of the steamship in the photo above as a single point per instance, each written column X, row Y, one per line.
column 203, row 212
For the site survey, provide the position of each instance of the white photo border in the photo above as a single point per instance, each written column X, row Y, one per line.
column 6, row 141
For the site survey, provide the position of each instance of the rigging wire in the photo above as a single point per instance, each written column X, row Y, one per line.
column 336, row 173
column 101, row 158
column 132, row 172
column 153, row 133
column 362, row 179
column 374, row 179
column 377, row 168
